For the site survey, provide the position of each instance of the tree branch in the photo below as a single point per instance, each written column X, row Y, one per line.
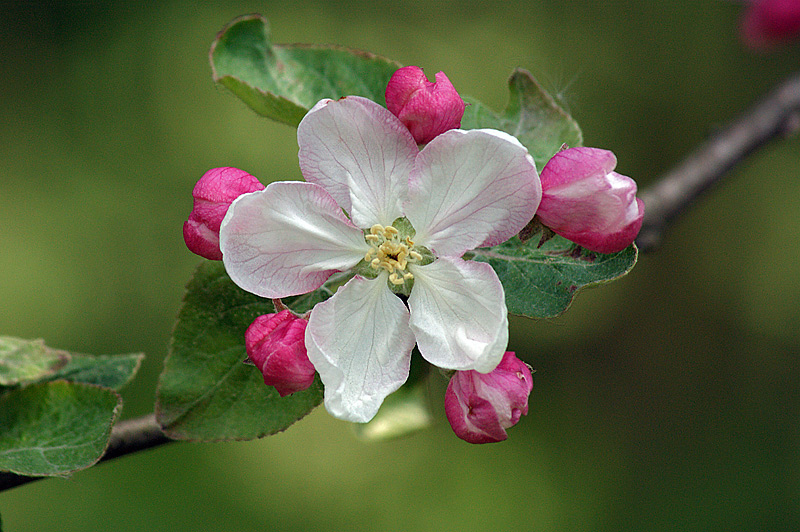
column 127, row 436
column 776, row 115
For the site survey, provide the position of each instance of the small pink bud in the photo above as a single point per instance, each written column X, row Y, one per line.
column 213, row 194
column 426, row 109
column 585, row 201
column 767, row 23
column 276, row 345
column 480, row 406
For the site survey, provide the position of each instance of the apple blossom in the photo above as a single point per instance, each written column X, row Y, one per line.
column 411, row 215
column 481, row 406
column 585, row 201
column 426, row 109
column 767, row 23
column 213, row 194
column 275, row 344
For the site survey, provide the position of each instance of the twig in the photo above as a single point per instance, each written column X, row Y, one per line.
column 127, row 437
column 776, row 115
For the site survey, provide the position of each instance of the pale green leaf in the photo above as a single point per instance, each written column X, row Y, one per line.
column 532, row 115
column 284, row 81
column 28, row 360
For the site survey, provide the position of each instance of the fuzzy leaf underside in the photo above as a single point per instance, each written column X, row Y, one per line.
column 284, row 81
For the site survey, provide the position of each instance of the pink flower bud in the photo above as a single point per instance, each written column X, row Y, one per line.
column 480, row 406
column 585, row 201
column 426, row 109
column 767, row 23
column 213, row 194
column 276, row 345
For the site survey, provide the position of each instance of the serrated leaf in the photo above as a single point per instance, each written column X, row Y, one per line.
column 206, row 392
column 113, row 371
column 28, row 360
column 55, row 428
column 532, row 115
column 540, row 282
column 284, row 81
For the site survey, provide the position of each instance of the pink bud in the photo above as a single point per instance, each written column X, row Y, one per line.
column 426, row 109
column 585, row 201
column 480, row 406
column 276, row 345
column 213, row 194
column 767, row 23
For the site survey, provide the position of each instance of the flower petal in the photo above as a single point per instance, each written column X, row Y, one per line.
column 458, row 314
column 361, row 154
column 360, row 343
column 287, row 240
column 470, row 189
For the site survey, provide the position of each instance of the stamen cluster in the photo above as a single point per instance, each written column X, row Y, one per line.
column 389, row 251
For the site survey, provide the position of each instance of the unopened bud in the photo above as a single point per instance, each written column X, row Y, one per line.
column 276, row 345
column 585, row 201
column 481, row 406
column 426, row 109
column 213, row 194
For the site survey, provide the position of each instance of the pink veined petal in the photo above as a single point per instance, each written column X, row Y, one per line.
column 287, row 239
column 361, row 154
column 360, row 343
column 470, row 189
column 458, row 314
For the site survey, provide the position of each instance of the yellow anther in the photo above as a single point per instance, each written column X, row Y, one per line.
column 391, row 252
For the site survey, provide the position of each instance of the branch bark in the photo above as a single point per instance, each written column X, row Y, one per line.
column 776, row 115
column 127, row 437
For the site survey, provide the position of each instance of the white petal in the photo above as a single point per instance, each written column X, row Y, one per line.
column 361, row 153
column 287, row 239
column 360, row 343
column 470, row 189
column 459, row 315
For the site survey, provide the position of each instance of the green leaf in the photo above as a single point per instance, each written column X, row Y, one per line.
column 28, row 360
column 284, row 81
column 540, row 282
column 110, row 371
column 55, row 428
column 206, row 392
column 532, row 115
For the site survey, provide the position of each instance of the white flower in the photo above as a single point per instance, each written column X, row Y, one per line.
column 412, row 215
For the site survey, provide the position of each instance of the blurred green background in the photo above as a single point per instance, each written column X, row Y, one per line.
column 668, row 400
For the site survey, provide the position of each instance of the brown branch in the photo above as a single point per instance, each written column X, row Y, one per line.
column 776, row 115
column 127, row 437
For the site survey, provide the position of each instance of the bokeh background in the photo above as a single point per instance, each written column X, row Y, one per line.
column 666, row 401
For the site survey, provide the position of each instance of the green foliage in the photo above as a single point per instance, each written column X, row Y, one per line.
column 532, row 115
column 109, row 371
column 207, row 392
column 28, row 360
column 55, row 428
column 57, row 408
column 541, row 281
column 283, row 82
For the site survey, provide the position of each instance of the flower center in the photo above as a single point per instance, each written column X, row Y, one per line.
column 391, row 252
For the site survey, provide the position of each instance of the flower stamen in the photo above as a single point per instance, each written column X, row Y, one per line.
column 388, row 251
